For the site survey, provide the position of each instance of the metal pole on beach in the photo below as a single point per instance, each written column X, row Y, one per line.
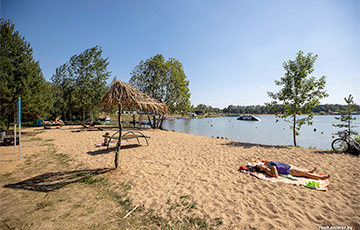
column 14, row 136
column 15, row 120
column 19, row 112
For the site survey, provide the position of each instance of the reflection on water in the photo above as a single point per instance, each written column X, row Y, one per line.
column 266, row 131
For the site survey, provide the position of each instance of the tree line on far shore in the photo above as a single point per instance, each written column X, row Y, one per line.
column 263, row 109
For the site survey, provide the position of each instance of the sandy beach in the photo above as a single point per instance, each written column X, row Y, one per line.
column 177, row 164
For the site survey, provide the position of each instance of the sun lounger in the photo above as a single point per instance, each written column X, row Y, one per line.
column 77, row 122
column 127, row 136
column 51, row 123
column 89, row 128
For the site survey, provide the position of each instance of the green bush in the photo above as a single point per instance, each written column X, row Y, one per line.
column 353, row 150
column 97, row 123
column 4, row 124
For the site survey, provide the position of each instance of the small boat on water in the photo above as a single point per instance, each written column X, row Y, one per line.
column 248, row 118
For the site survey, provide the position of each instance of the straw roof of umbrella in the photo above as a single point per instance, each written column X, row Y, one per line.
column 128, row 96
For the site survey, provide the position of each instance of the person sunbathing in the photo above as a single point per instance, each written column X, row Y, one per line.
column 273, row 169
column 57, row 120
column 90, row 122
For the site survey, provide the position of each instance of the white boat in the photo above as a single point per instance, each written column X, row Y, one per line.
column 248, row 118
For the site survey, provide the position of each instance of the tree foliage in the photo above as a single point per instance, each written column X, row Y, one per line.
column 346, row 117
column 21, row 76
column 300, row 93
column 163, row 80
column 80, row 83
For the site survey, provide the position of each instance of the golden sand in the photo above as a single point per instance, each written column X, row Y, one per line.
column 177, row 164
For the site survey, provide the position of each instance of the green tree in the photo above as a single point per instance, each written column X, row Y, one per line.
column 80, row 83
column 300, row 93
column 61, row 85
column 177, row 95
column 346, row 117
column 163, row 80
column 89, row 72
column 21, row 76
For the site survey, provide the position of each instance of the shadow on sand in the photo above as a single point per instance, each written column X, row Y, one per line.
column 249, row 145
column 323, row 152
column 52, row 181
column 111, row 149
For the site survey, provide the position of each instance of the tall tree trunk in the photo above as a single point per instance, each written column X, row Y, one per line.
column 154, row 119
column 161, row 122
column 83, row 114
column 294, row 133
column 149, row 119
column 348, row 117
column 117, row 151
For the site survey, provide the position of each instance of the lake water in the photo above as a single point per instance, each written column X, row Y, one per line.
column 266, row 131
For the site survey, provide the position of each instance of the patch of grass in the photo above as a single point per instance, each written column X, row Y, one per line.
column 31, row 134
column 43, row 205
column 94, row 225
column 79, row 206
column 62, row 158
column 89, row 179
column 168, row 201
column 49, row 140
column 46, row 144
column 201, row 223
column 219, row 221
column 27, row 162
column 179, row 216
column 6, row 174
column 33, row 139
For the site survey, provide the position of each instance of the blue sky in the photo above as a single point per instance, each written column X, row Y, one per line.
column 232, row 51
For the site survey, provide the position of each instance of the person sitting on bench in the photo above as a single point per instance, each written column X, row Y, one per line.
column 108, row 141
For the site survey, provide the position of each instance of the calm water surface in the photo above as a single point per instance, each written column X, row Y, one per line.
column 266, row 131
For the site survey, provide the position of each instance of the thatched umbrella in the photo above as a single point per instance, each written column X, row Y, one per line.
column 122, row 94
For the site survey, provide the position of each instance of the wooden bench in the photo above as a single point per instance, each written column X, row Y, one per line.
column 127, row 136
column 9, row 137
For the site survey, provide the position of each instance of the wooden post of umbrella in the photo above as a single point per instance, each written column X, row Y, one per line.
column 117, row 151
